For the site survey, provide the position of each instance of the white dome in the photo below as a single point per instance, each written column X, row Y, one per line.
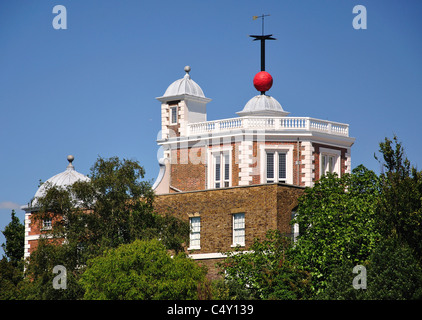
column 263, row 105
column 63, row 179
column 184, row 86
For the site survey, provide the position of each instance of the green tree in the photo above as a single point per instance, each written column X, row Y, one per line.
column 14, row 234
column 266, row 271
column 393, row 273
column 11, row 265
column 400, row 209
column 394, row 266
column 11, row 278
column 39, row 280
column 141, row 270
column 336, row 223
column 115, row 207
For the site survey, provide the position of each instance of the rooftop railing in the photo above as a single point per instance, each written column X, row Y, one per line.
column 286, row 124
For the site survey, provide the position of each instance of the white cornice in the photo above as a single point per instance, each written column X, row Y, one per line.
column 258, row 135
column 186, row 97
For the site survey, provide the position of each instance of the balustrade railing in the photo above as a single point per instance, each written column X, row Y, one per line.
column 270, row 123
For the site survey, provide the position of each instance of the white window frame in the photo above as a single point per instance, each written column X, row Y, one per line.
column 223, row 154
column 195, row 233
column 239, row 230
column 288, row 150
column 47, row 224
column 173, row 118
column 335, row 155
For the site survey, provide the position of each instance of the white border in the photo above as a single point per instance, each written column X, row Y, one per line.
column 330, row 152
column 210, row 164
column 263, row 148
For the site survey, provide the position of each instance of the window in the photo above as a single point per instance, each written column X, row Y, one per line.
column 217, row 163
column 195, row 233
column 276, row 166
column 221, row 169
column 329, row 161
column 226, row 170
column 173, row 115
column 238, row 229
column 46, row 224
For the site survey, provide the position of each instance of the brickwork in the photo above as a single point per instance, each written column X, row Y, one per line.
column 235, row 164
column 213, row 271
column 185, row 174
column 36, row 223
column 265, row 207
column 189, row 167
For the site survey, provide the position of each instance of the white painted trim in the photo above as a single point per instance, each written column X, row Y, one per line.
column 263, row 148
column 315, row 137
column 220, row 148
column 214, row 255
column 235, row 244
column 33, row 237
column 348, row 168
column 245, row 160
column 196, row 247
column 204, row 256
column 211, row 152
column 171, row 114
column 307, row 162
column 330, row 152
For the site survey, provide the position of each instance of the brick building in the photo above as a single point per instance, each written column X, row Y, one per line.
column 224, row 218
column 34, row 228
column 235, row 179
column 262, row 145
column 231, row 179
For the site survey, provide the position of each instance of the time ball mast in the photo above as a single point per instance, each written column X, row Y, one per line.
column 262, row 81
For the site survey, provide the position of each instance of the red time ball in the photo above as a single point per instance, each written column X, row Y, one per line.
column 263, row 81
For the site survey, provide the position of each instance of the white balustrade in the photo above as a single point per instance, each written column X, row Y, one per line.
column 270, row 123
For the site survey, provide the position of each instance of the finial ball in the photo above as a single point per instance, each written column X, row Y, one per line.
column 187, row 69
column 70, row 158
column 263, row 81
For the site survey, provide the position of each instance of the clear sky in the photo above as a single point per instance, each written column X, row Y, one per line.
column 90, row 90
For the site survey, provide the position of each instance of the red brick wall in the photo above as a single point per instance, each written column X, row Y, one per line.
column 185, row 175
column 265, row 206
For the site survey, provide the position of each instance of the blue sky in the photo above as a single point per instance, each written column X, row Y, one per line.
column 90, row 90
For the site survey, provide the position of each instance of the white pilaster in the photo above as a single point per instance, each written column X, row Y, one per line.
column 308, row 165
column 27, row 231
column 245, row 160
column 348, row 168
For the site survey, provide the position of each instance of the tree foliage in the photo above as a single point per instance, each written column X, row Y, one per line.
column 11, row 265
column 115, row 207
column 337, row 222
column 400, row 208
column 14, row 234
column 394, row 269
column 265, row 271
column 393, row 273
column 141, row 270
column 111, row 249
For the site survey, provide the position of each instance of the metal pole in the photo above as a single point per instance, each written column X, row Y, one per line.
column 262, row 54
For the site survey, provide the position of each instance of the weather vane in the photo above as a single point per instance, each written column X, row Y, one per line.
column 262, row 38
column 262, row 16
